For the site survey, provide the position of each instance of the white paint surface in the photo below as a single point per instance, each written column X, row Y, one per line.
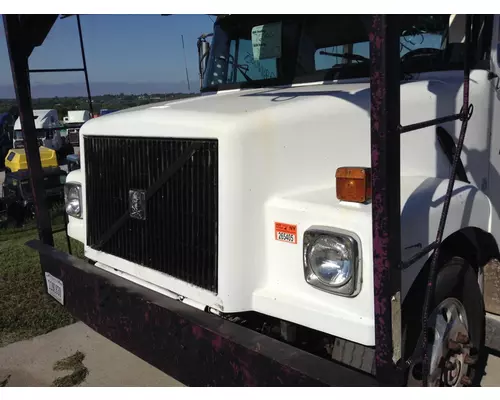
column 279, row 149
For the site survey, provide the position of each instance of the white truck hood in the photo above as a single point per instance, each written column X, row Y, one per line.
column 235, row 105
column 324, row 125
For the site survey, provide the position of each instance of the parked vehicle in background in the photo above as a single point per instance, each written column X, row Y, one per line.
column 48, row 128
column 17, row 197
column 105, row 111
column 16, row 194
column 7, row 120
column 73, row 122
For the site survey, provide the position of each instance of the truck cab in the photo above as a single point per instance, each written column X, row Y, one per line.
column 255, row 197
column 73, row 122
column 48, row 129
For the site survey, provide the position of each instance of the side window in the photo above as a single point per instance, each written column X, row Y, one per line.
column 242, row 54
column 407, row 43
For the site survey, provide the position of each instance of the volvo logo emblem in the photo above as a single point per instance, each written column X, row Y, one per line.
column 137, row 204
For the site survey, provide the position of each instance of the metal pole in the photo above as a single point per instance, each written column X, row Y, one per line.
column 385, row 162
column 18, row 52
column 68, row 239
column 91, row 109
column 185, row 64
column 33, row 71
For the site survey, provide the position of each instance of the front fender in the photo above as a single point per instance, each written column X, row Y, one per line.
column 422, row 200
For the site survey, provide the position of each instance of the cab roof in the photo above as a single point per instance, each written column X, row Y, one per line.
column 44, row 119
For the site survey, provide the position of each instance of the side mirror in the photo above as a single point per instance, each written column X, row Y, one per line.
column 203, row 55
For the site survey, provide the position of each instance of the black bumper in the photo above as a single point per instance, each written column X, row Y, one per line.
column 192, row 346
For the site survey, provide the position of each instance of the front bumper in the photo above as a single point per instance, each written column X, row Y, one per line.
column 192, row 346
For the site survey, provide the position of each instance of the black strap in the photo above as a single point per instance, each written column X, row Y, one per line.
column 449, row 148
column 164, row 177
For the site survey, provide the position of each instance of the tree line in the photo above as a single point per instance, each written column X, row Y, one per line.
column 108, row 101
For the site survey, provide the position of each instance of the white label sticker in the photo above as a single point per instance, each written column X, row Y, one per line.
column 285, row 232
column 55, row 287
column 266, row 41
column 286, row 237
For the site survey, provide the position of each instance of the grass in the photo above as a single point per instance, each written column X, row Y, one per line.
column 72, row 363
column 5, row 381
column 25, row 309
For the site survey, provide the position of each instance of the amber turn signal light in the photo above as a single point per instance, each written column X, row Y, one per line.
column 354, row 184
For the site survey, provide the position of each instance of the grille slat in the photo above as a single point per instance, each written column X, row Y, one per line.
column 179, row 236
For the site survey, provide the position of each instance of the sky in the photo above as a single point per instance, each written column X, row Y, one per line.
column 129, row 49
column 119, row 48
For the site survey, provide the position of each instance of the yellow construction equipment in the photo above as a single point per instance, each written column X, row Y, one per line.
column 16, row 159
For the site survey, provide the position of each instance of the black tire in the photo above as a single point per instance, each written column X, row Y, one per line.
column 455, row 279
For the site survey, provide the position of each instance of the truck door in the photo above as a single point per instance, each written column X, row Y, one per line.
column 491, row 270
column 493, row 186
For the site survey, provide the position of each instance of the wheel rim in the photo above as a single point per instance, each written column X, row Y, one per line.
column 448, row 347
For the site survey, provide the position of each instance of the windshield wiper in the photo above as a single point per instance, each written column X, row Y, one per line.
column 243, row 68
column 347, row 56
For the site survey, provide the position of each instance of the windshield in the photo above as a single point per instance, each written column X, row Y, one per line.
column 267, row 50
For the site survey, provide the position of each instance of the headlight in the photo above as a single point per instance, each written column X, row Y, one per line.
column 73, row 200
column 331, row 261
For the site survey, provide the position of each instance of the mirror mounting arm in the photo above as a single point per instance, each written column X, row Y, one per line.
column 203, row 53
